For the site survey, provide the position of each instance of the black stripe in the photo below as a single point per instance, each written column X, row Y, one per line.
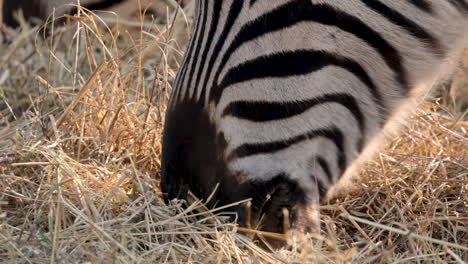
column 263, row 111
column 196, row 56
column 188, row 54
column 423, row 5
column 234, row 11
column 408, row 25
column 102, row 5
column 252, row 2
column 294, row 63
column 214, row 23
column 333, row 134
column 324, row 166
column 460, row 5
column 300, row 11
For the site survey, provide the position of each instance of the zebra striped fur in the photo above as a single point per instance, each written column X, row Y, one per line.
column 284, row 98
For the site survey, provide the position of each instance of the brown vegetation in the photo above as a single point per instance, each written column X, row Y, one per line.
column 80, row 130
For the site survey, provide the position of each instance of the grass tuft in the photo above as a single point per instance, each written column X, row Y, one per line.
column 82, row 109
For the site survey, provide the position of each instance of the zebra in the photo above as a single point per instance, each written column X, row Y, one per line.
column 281, row 101
column 44, row 9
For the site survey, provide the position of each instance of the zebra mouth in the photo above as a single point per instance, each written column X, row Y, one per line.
column 272, row 206
column 274, row 216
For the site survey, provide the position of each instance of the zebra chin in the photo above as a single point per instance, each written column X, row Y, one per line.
column 194, row 160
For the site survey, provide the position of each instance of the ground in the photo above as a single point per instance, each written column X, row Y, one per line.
column 82, row 109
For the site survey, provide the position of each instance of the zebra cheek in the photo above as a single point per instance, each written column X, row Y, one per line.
column 193, row 154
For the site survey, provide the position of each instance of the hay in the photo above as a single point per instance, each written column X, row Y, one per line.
column 80, row 144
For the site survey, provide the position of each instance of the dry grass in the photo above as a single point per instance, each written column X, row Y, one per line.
column 79, row 169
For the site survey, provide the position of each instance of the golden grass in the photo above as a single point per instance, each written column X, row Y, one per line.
column 79, row 169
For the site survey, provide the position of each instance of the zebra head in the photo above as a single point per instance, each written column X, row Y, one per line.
column 196, row 158
column 276, row 100
column 238, row 116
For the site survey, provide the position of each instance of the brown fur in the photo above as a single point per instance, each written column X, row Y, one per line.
column 42, row 9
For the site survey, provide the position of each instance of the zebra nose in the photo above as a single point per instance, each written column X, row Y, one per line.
column 273, row 204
